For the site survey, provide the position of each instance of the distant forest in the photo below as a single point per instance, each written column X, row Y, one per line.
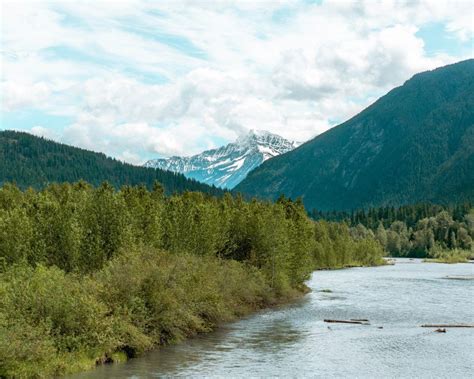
column 32, row 161
column 410, row 214
column 418, row 230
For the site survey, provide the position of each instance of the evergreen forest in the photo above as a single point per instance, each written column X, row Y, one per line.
column 36, row 162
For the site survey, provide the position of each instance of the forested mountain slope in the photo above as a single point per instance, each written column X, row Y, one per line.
column 33, row 161
column 414, row 144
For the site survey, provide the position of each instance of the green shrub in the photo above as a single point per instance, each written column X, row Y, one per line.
column 440, row 255
column 50, row 317
column 52, row 322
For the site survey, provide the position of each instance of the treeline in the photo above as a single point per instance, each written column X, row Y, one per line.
column 439, row 236
column 32, row 161
column 409, row 214
column 78, row 228
column 88, row 273
column 423, row 230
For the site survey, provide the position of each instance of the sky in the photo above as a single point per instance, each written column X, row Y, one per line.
column 145, row 79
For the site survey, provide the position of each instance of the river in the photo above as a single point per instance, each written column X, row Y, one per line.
column 294, row 341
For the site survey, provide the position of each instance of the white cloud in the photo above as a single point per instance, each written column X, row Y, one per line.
column 222, row 67
column 19, row 95
column 41, row 131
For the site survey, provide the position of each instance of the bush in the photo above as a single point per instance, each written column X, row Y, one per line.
column 52, row 322
column 440, row 255
column 49, row 318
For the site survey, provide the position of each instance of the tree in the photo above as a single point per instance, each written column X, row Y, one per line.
column 15, row 236
column 381, row 235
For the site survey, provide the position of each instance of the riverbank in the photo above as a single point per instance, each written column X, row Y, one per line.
column 138, row 302
column 294, row 339
column 89, row 275
column 58, row 323
column 451, row 256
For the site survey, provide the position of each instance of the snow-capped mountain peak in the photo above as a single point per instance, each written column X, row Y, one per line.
column 228, row 165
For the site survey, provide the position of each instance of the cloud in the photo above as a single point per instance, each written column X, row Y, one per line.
column 142, row 78
column 41, row 131
column 19, row 95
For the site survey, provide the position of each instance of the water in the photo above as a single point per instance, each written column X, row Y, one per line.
column 293, row 341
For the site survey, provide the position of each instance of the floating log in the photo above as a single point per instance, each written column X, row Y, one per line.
column 347, row 322
column 460, row 277
column 359, row 319
column 447, row 326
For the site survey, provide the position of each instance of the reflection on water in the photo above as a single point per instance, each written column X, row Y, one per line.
column 293, row 341
column 333, row 297
column 279, row 334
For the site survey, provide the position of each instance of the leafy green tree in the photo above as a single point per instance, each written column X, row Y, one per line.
column 381, row 235
column 15, row 236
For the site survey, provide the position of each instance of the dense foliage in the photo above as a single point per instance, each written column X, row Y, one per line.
column 87, row 273
column 414, row 144
column 423, row 230
column 409, row 214
column 33, row 161
column 54, row 322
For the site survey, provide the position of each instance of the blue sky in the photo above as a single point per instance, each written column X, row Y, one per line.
column 140, row 79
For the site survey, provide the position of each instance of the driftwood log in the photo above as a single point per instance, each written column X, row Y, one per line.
column 359, row 322
column 447, row 326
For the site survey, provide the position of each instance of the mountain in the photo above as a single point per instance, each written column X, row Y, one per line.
column 34, row 161
column 228, row 165
column 414, row 144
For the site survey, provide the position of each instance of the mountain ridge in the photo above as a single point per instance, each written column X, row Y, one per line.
column 414, row 144
column 32, row 161
column 227, row 165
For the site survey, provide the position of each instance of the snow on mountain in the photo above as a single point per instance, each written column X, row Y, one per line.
column 228, row 165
